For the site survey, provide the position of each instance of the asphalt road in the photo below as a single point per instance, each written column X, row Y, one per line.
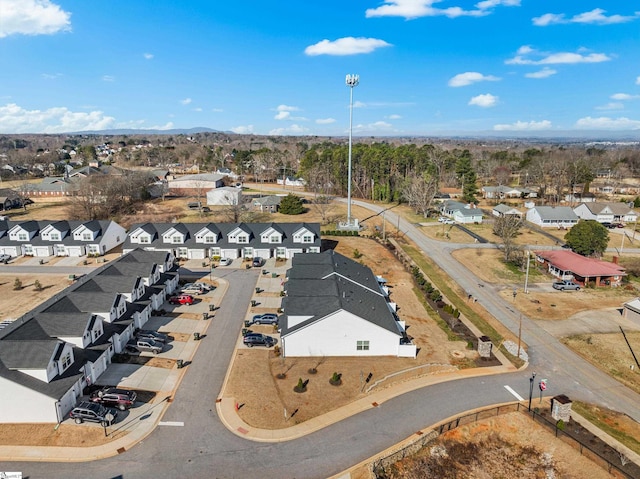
column 204, row 448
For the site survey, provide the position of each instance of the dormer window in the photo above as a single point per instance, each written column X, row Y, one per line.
column 143, row 239
column 22, row 237
column 243, row 239
column 54, row 236
column 66, row 361
column 86, row 237
column 307, row 239
column 176, row 239
column 209, row 239
column 274, row 239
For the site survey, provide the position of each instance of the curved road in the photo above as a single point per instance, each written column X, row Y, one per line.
column 205, row 448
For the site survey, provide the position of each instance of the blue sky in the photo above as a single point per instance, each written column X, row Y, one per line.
column 426, row 67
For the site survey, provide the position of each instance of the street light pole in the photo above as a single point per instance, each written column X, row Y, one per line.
column 531, row 380
column 351, row 81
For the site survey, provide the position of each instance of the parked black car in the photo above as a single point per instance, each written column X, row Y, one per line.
column 155, row 335
column 92, row 412
column 114, row 397
column 257, row 339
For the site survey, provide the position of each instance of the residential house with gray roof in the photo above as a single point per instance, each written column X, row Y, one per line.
column 52, row 353
column 461, row 212
column 606, row 212
column 552, row 216
column 334, row 306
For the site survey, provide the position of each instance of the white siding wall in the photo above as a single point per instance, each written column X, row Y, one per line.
column 12, row 404
column 337, row 335
column 112, row 237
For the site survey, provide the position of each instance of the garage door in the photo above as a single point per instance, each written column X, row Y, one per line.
column 196, row 253
column 41, row 251
column 75, row 250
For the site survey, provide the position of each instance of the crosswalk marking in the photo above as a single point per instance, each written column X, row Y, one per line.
column 518, row 397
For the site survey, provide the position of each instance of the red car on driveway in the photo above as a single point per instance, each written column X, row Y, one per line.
column 181, row 299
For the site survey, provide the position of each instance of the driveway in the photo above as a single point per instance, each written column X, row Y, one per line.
column 589, row 322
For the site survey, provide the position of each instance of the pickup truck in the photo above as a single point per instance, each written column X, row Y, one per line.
column 568, row 285
column 141, row 345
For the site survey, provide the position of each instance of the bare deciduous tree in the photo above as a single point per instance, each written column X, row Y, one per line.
column 506, row 228
column 419, row 192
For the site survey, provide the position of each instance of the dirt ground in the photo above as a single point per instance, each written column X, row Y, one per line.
column 254, row 379
column 509, row 445
column 540, row 303
column 16, row 302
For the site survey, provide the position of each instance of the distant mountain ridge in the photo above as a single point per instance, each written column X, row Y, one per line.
column 133, row 131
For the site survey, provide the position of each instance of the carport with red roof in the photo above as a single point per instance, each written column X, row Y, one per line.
column 572, row 266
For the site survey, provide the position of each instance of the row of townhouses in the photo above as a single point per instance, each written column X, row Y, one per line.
column 59, row 238
column 49, row 355
column 226, row 240
column 183, row 240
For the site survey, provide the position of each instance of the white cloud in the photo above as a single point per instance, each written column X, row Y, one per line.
column 325, row 121
column 186, row 101
column 290, row 130
column 611, row 106
column 606, row 123
column 596, row 16
column 544, row 73
column 373, row 127
column 284, row 113
column 15, row 119
column 197, row 109
column 148, row 56
column 624, row 96
column 545, row 58
column 242, row 129
column 108, row 78
column 485, row 101
column 410, row 9
column 166, row 126
column 638, row 80
column 32, row 17
column 524, row 126
column 346, row 46
column 217, row 110
column 394, row 117
column 51, row 76
column 468, row 78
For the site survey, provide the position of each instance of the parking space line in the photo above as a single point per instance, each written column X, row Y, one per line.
column 171, row 423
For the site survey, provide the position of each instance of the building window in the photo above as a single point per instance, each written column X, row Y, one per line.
column 66, row 361
column 362, row 346
column 274, row 239
column 54, row 237
column 243, row 239
column 87, row 237
column 307, row 239
column 143, row 239
column 176, row 239
column 209, row 239
column 22, row 237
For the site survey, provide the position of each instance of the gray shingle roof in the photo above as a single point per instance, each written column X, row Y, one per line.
column 350, row 286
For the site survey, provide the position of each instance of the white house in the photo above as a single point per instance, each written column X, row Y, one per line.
column 504, row 210
column 502, row 191
column 552, row 216
column 291, row 181
column 197, row 182
column 224, row 196
column 461, row 212
column 336, row 307
column 606, row 212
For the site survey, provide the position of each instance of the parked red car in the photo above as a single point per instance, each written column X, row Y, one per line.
column 181, row 299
